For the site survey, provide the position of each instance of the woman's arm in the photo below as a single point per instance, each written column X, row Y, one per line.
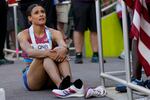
column 61, row 49
column 25, row 46
column 58, row 38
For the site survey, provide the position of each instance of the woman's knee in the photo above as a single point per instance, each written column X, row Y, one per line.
column 47, row 61
column 39, row 60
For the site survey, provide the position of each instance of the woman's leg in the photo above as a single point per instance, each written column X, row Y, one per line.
column 36, row 76
column 65, row 72
column 40, row 70
column 64, row 69
column 52, row 70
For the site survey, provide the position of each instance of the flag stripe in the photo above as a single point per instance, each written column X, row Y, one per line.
column 134, row 31
column 145, row 39
column 144, row 51
column 130, row 3
column 135, row 18
column 145, row 14
column 144, row 5
column 138, row 6
column 145, row 63
column 145, row 26
column 141, row 30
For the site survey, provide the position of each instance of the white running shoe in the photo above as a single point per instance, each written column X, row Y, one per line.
column 122, row 55
column 99, row 91
column 72, row 91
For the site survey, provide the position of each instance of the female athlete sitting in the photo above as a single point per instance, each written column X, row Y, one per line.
column 44, row 52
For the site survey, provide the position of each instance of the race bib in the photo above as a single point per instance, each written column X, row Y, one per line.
column 41, row 46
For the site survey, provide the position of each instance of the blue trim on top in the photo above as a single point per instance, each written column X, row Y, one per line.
column 27, row 60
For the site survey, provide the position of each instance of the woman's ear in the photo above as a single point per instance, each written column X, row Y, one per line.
column 29, row 18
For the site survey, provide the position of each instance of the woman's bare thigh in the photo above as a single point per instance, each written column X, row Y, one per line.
column 36, row 76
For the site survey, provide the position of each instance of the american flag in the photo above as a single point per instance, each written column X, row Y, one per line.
column 140, row 29
column 130, row 3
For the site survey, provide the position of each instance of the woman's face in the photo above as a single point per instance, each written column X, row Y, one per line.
column 38, row 16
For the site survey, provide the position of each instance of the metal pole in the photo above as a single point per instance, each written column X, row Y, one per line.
column 99, row 31
column 16, row 29
column 124, row 82
column 126, row 48
column 13, row 51
column 109, row 6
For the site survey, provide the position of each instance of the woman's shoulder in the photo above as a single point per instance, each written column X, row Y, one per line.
column 24, row 33
column 54, row 30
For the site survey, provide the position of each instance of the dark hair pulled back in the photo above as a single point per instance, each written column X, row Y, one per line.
column 30, row 8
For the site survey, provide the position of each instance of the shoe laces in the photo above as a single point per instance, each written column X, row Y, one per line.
column 96, row 93
column 99, row 92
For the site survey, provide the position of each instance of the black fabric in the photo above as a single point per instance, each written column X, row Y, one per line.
column 65, row 83
column 51, row 13
column 84, row 1
column 79, row 55
column 61, row 0
column 3, row 25
column 23, row 6
column 95, row 54
column 5, row 61
column 48, row 6
column 84, row 15
column 78, row 84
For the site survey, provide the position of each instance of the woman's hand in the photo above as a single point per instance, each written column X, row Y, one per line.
column 61, row 53
column 52, row 54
